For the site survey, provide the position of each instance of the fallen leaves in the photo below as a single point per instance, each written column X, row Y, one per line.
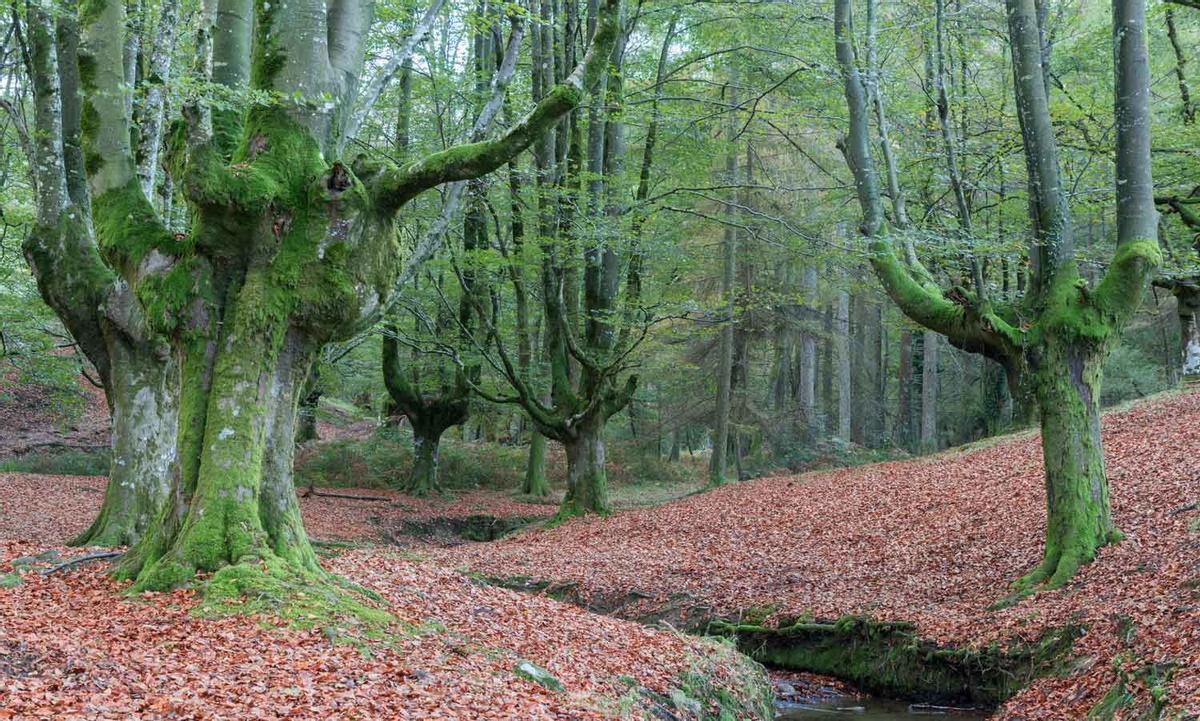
column 933, row 541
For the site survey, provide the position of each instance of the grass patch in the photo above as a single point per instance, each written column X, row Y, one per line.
column 66, row 462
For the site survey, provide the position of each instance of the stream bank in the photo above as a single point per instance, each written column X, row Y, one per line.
column 903, row 674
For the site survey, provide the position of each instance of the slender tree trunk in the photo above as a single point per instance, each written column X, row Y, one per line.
column 841, row 341
column 535, row 468
column 904, row 410
column 929, row 391
column 716, row 471
column 808, row 357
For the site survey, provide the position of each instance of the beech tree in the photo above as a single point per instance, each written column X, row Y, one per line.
column 292, row 244
column 1053, row 340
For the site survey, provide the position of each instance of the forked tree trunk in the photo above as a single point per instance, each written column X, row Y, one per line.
column 424, row 477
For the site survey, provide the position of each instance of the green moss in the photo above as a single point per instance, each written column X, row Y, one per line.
column 890, row 659
column 532, row 672
column 128, row 229
column 10, row 580
column 1138, row 695
column 302, row 599
column 269, row 57
column 726, row 684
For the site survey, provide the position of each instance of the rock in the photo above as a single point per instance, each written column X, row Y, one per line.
column 537, row 674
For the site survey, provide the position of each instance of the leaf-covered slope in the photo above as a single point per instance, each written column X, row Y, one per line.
column 933, row 541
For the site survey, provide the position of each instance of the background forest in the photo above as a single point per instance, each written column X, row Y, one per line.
column 702, row 212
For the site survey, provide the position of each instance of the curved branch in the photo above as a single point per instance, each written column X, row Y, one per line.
column 472, row 160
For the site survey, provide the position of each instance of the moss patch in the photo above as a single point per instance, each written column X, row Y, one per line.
column 890, row 659
column 301, row 599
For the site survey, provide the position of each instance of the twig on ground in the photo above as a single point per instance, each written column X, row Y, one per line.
column 81, row 560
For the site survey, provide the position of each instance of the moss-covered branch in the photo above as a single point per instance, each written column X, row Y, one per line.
column 1120, row 292
column 969, row 325
column 395, row 188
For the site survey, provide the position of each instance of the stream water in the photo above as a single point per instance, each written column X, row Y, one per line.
column 871, row 709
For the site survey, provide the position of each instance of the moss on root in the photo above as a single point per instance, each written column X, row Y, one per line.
column 300, row 598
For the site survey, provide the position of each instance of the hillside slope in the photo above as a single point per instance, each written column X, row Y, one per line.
column 933, row 541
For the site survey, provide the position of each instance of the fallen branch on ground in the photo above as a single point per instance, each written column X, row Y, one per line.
column 81, row 560
column 330, row 494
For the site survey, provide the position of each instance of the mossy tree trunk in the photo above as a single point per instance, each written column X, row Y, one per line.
column 290, row 249
column 535, row 483
column 144, row 412
column 95, row 304
column 586, row 348
column 587, row 476
column 1057, row 355
column 430, row 415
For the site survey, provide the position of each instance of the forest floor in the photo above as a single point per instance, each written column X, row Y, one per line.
column 932, row 541
column 74, row 645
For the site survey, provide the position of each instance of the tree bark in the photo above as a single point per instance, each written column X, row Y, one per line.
column 929, row 391
column 143, row 446
column 587, row 476
column 841, row 341
column 724, row 401
column 808, row 357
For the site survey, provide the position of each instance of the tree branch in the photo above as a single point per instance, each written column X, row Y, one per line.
column 395, row 188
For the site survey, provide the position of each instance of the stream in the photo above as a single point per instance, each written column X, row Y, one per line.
column 871, row 709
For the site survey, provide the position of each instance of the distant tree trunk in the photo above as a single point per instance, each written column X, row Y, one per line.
column 929, row 391
column 716, row 471
column 808, row 356
column 1188, row 300
column 675, row 450
column 904, row 406
column 841, row 341
column 310, row 399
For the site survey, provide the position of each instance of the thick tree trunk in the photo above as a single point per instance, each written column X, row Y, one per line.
column 587, row 478
column 424, row 477
column 1079, row 519
column 144, row 420
column 236, row 443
